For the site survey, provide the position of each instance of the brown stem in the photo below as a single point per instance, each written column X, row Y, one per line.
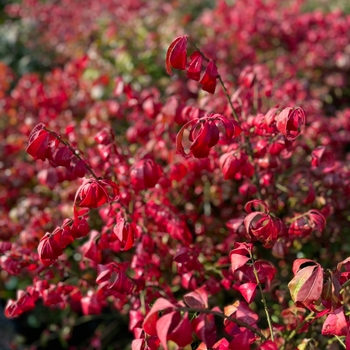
column 228, row 98
column 66, row 143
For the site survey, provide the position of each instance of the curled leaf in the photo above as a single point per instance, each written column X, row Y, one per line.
column 306, row 286
column 176, row 54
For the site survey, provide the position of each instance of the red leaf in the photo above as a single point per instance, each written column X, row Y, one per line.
column 317, row 220
column 176, row 55
column 208, row 80
column 221, row 344
column 164, row 326
column 230, row 165
column 197, row 298
column 347, row 341
column 270, row 116
column 297, row 264
column 268, row 345
column 195, row 66
column 63, row 156
column 238, row 256
column 94, row 193
column 79, row 169
column 179, row 138
column 248, row 290
column 255, row 203
column 182, row 333
column 80, row 227
column 23, row 303
column 126, row 233
column 48, row 249
column 323, row 158
column 38, row 142
column 306, row 286
column 243, row 340
column 289, row 122
column 241, row 311
column 232, row 128
column 149, row 324
column 205, row 328
column 335, row 323
column 237, row 261
column 5, row 246
column 145, row 174
column 90, row 305
column 345, row 263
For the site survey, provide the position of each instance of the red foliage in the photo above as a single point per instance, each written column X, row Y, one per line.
column 186, row 200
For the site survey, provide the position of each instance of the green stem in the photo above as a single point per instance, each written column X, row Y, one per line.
column 341, row 342
column 262, row 296
column 295, row 218
column 346, row 284
column 220, row 314
column 300, row 326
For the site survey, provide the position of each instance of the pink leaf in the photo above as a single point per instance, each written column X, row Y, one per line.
column 268, row 345
column 335, row 323
column 243, row 340
column 182, row 333
column 149, row 324
column 248, row 290
column 197, row 299
column 164, row 326
column 205, row 328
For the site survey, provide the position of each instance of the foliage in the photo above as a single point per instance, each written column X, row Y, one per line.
column 207, row 210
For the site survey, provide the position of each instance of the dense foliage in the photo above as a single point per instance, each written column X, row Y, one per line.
column 175, row 174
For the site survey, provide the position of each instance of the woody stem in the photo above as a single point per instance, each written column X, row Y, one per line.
column 228, row 98
column 262, row 296
column 66, row 143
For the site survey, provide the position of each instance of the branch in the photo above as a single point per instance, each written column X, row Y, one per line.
column 262, row 296
column 66, row 143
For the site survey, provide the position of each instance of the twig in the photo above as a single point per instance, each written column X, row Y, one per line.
column 220, row 314
column 228, row 98
column 66, row 143
column 262, row 296
column 296, row 330
column 341, row 342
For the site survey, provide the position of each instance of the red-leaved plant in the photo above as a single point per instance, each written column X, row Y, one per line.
column 207, row 210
